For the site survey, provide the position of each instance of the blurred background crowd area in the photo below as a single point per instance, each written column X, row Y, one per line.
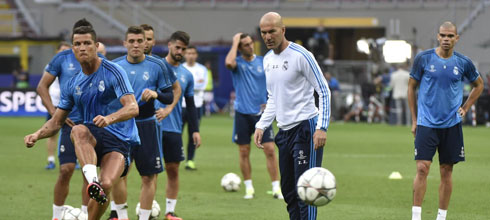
column 364, row 47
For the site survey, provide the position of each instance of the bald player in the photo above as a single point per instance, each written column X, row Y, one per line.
column 292, row 74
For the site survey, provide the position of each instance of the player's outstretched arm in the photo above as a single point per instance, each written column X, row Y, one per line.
column 474, row 94
column 162, row 113
column 230, row 60
column 129, row 110
column 48, row 129
column 412, row 87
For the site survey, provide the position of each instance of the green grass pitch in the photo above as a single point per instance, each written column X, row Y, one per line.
column 361, row 156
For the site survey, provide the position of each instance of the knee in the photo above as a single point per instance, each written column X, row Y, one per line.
column 148, row 180
column 107, row 184
column 66, row 171
column 446, row 172
column 269, row 151
column 423, row 169
column 172, row 170
column 78, row 131
column 244, row 152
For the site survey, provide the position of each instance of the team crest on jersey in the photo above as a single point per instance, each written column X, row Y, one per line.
column 101, row 86
column 71, row 66
column 78, row 91
column 432, row 68
column 146, row 76
column 182, row 78
column 456, row 70
column 259, row 69
column 285, row 65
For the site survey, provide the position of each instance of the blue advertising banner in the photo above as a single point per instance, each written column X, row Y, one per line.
column 21, row 102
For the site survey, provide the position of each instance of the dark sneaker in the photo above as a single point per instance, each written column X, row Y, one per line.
column 96, row 192
column 113, row 215
column 50, row 166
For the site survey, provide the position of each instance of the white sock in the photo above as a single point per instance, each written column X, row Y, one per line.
column 51, row 159
column 90, row 173
column 57, row 212
column 144, row 214
column 275, row 185
column 170, row 205
column 122, row 211
column 416, row 213
column 441, row 214
column 84, row 209
column 113, row 206
column 248, row 184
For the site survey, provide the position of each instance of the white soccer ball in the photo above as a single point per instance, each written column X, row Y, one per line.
column 73, row 214
column 231, row 182
column 317, row 186
column 155, row 210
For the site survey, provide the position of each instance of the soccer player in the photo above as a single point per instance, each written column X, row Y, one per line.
column 436, row 118
column 251, row 95
column 292, row 74
column 54, row 94
column 103, row 96
column 200, row 74
column 171, row 126
column 148, row 77
column 63, row 67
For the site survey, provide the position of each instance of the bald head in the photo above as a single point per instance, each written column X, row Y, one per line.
column 101, row 49
column 272, row 31
column 448, row 26
column 273, row 18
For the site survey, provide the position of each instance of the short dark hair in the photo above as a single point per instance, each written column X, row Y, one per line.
column 135, row 30
column 85, row 30
column 146, row 27
column 243, row 35
column 182, row 36
column 82, row 22
column 191, row 47
column 61, row 44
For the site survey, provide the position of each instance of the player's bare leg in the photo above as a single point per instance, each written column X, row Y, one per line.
column 246, row 168
column 272, row 167
column 51, row 144
column 84, row 143
column 172, row 189
column 62, row 186
column 420, row 181
column 111, row 168
column 148, row 190
column 119, row 195
column 445, row 189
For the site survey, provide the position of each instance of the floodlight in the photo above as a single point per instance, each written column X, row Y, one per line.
column 397, row 51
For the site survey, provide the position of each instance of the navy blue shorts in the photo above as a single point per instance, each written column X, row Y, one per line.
column 244, row 128
column 148, row 156
column 66, row 149
column 173, row 150
column 106, row 143
column 447, row 141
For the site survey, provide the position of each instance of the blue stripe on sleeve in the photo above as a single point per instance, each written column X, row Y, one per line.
column 118, row 76
column 316, row 73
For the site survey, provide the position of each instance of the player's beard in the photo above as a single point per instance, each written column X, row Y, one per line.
column 177, row 58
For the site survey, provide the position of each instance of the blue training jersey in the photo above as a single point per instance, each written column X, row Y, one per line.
column 99, row 94
column 151, row 74
column 64, row 65
column 173, row 122
column 249, row 82
column 441, row 87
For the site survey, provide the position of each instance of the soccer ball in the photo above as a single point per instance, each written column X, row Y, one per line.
column 231, row 182
column 317, row 186
column 74, row 214
column 155, row 210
